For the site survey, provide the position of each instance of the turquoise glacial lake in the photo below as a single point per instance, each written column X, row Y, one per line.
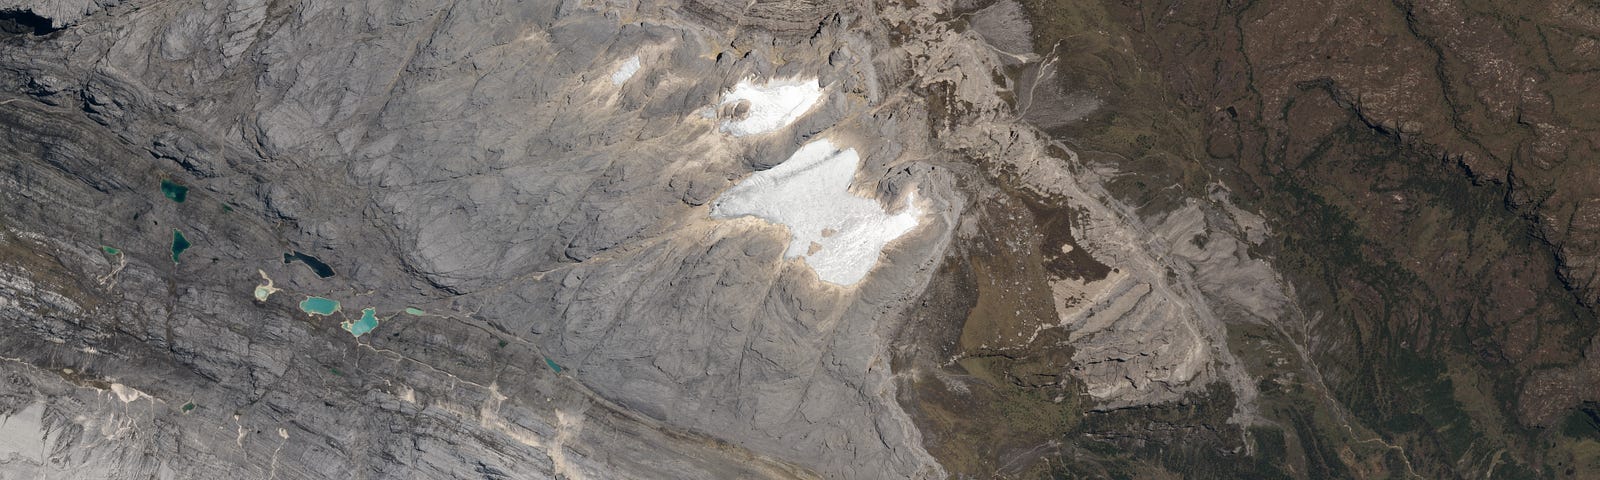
column 368, row 321
column 319, row 306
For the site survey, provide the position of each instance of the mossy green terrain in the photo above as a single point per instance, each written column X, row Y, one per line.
column 1430, row 302
column 1136, row 126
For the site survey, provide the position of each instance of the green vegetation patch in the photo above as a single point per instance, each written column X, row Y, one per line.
column 1139, row 125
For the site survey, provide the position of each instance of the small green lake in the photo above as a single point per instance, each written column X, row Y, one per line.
column 319, row 306
column 109, row 250
column 368, row 321
column 317, row 266
column 415, row 311
column 179, row 244
column 552, row 364
column 174, row 191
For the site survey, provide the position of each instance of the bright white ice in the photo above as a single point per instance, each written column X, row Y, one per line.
column 625, row 71
column 839, row 234
column 773, row 105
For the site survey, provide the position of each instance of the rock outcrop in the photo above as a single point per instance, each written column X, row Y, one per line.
column 470, row 160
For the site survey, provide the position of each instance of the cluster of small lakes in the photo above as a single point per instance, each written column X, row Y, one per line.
column 323, row 306
column 312, row 304
column 819, row 173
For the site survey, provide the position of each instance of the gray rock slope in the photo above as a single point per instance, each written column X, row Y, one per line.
column 577, row 311
column 470, row 159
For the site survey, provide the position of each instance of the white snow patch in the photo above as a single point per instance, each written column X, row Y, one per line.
column 773, row 105
column 840, row 234
column 239, row 440
column 626, row 71
column 126, row 393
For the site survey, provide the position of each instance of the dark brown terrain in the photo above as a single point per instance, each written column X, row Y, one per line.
column 1429, row 171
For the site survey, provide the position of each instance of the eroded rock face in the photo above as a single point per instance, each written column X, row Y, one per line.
column 782, row 17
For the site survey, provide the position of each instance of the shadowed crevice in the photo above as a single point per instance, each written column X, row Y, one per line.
column 25, row 22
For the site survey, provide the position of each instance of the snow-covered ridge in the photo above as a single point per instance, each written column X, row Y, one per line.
column 839, row 234
column 771, row 105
